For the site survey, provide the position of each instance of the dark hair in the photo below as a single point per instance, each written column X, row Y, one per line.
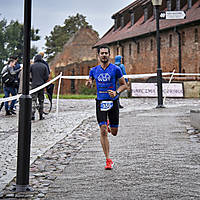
column 103, row 46
column 14, row 57
column 11, row 60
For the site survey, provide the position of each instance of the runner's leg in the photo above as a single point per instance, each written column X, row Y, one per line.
column 102, row 121
column 113, row 116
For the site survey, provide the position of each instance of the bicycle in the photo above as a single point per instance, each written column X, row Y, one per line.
column 48, row 96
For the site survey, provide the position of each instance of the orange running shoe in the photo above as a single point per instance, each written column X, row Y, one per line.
column 108, row 126
column 109, row 164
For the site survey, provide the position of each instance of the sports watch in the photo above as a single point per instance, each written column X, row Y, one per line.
column 117, row 92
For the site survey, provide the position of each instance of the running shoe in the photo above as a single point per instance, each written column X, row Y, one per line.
column 109, row 164
column 108, row 126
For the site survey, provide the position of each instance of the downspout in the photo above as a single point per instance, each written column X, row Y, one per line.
column 179, row 50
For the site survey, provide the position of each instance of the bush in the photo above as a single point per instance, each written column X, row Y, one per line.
column 87, row 91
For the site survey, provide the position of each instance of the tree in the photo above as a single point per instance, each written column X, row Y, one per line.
column 11, row 40
column 15, row 36
column 3, row 52
column 61, row 34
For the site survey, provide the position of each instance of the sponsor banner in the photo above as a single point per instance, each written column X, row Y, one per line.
column 150, row 89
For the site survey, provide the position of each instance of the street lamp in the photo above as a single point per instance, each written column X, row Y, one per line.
column 25, row 102
column 157, row 4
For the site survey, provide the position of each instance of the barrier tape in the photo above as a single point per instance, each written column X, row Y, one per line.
column 31, row 91
column 125, row 76
column 86, row 77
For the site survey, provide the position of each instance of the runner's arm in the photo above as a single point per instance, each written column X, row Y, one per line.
column 89, row 82
column 123, row 86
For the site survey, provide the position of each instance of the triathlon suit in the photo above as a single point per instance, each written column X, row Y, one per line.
column 106, row 105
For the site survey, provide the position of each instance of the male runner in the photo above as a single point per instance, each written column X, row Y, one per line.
column 107, row 105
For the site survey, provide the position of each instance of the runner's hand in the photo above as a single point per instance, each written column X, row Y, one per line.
column 112, row 93
column 88, row 83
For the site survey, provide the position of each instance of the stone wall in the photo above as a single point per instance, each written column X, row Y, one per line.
column 74, row 69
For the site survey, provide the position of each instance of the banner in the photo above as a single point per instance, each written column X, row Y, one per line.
column 150, row 89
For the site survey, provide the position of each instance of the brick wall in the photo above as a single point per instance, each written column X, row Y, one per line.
column 142, row 58
column 76, row 58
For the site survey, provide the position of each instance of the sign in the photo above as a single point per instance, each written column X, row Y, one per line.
column 173, row 15
column 150, row 89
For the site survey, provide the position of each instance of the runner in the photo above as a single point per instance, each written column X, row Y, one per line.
column 107, row 105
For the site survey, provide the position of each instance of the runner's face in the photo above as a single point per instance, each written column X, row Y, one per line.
column 104, row 55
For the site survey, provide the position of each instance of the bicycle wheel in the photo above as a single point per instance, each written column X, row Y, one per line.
column 47, row 104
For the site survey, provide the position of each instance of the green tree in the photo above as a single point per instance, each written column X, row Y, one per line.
column 15, row 36
column 11, row 40
column 61, row 34
column 3, row 52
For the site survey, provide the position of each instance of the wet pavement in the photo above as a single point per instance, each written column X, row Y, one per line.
column 156, row 153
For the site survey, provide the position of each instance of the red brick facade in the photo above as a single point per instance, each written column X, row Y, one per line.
column 76, row 58
column 136, row 40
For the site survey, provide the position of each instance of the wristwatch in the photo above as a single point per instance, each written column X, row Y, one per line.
column 117, row 92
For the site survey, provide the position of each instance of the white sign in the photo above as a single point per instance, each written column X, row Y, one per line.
column 173, row 15
column 150, row 89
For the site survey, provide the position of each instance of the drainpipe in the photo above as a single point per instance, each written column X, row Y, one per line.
column 179, row 50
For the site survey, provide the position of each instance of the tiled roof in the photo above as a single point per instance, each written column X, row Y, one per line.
column 142, row 28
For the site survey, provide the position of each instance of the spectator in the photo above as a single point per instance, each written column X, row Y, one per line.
column 118, row 62
column 10, row 87
column 16, row 67
column 39, row 75
column 42, row 54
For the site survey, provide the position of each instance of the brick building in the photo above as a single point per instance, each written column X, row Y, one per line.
column 76, row 58
column 133, row 35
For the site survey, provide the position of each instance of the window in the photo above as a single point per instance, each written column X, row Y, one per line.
column 117, row 50
column 122, row 21
column 189, row 4
column 169, row 5
column 178, row 5
column 88, row 69
column 196, row 38
column 115, row 24
column 183, row 38
column 132, row 19
column 138, row 47
column 130, row 49
column 82, row 70
column 151, row 45
column 170, row 40
column 122, row 54
column 160, row 42
column 145, row 14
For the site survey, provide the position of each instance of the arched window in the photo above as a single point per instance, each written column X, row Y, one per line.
column 183, row 38
column 196, row 36
column 151, row 45
column 130, row 49
column 170, row 40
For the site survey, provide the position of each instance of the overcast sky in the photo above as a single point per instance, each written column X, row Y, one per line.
column 48, row 13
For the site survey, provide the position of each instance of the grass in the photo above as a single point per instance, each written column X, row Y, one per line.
column 70, row 96
column 75, row 96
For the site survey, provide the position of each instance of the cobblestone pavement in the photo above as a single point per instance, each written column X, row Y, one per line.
column 155, row 156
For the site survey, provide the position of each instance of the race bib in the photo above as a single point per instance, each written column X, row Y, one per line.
column 106, row 105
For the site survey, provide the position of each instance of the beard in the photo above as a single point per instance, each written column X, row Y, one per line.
column 104, row 60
